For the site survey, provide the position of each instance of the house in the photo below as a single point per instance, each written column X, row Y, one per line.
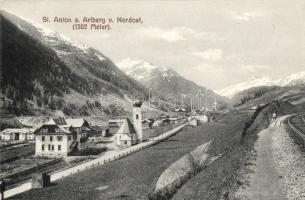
column 174, row 120
column 163, row 116
column 53, row 140
column 60, row 136
column 202, row 118
column 157, row 123
column 181, row 111
column 17, row 134
column 96, row 133
column 131, row 133
column 115, row 124
column 193, row 122
column 126, row 135
column 79, row 125
column 254, row 108
column 166, row 122
column 147, row 123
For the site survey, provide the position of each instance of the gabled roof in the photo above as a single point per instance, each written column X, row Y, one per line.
column 18, row 130
column 137, row 104
column 127, row 127
column 50, row 129
column 75, row 123
column 126, row 137
column 148, row 120
column 98, row 128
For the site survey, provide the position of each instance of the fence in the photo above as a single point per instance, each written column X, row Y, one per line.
column 14, row 178
column 112, row 156
column 298, row 135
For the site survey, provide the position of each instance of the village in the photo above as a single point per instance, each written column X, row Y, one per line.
column 64, row 142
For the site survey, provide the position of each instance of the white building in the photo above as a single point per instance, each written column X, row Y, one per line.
column 79, row 125
column 59, row 137
column 131, row 133
column 202, row 118
column 193, row 122
column 137, row 121
column 17, row 134
column 126, row 135
column 55, row 141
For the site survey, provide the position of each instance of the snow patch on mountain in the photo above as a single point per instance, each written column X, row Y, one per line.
column 52, row 36
column 233, row 89
column 100, row 57
column 294, row 79
column 142, row 70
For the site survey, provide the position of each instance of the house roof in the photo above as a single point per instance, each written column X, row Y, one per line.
column 127, row 127
column 75, row 123
column 137, row 104
column 126, row 137
column 162, row 116
column 18, row 130
column 49, row 129
column 98, row 128
column 148, row 121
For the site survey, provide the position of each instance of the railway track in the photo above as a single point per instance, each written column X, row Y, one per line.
column 297, row 125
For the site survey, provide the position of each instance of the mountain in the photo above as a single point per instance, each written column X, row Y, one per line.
column 45, row 70
column 292, row 80
column 168, row 82
column 234, row 89
column 294, row 94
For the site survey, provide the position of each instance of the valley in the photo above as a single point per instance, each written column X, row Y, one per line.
column 75, row 124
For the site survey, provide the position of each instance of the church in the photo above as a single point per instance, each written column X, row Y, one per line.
column 131, row 133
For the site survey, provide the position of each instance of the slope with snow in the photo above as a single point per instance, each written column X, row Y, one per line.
column 234, row 89
column 164, row 80
column 40, row 68
column 144, row 71
column 292, row 80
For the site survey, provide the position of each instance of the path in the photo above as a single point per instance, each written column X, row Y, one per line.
column 265, row 182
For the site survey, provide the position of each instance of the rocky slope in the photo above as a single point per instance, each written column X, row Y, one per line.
column 41, row 69
column 169, row 83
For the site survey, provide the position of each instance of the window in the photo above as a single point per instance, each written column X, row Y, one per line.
column 137, row 116
column 59, row 138
column 51, row 138
column 69, row 137
column 42, row 138
column 52, row 147
column 59, row 147
column 125, row 142
column 42, row 147
column 49, row 147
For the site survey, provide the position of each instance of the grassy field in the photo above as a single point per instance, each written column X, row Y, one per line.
column 222, row 178
column 134, row 177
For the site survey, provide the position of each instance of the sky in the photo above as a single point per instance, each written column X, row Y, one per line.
column 213, row 43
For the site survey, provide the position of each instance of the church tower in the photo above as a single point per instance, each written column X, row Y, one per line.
column 137, row 120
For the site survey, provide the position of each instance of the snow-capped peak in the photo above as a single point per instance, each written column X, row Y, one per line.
column 294, row 79
column 233, row 89
column 142, row 70
column 128, row 63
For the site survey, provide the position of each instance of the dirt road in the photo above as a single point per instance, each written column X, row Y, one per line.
column 266, row 182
